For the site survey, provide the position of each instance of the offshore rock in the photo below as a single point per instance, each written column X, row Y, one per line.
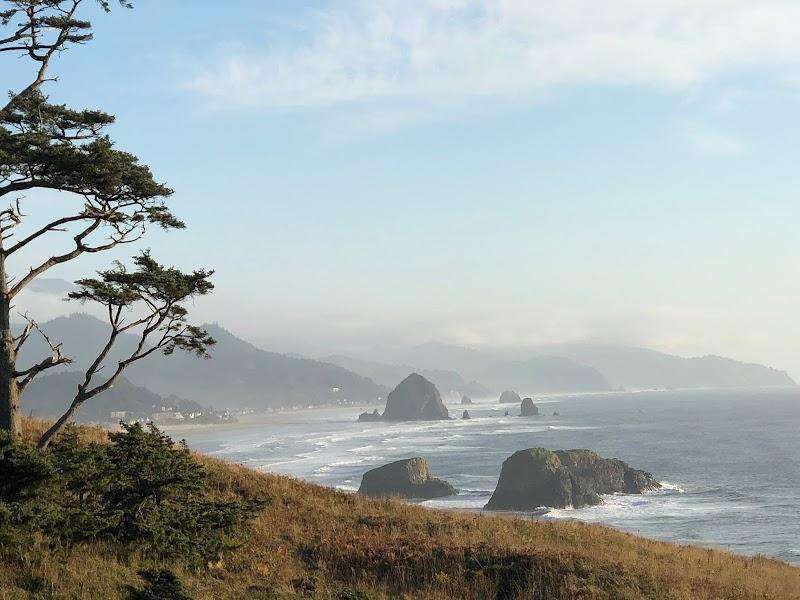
column 409, row 478
column 415, row 399
column 508, row 396
column 528, row 409
column 539, row 477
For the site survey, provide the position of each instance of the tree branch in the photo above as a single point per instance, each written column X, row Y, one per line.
column 55, row 360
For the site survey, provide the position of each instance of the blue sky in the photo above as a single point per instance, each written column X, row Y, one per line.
column 473, row 171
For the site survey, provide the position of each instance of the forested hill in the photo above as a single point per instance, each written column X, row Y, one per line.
column 49, row 396
column 238, row 374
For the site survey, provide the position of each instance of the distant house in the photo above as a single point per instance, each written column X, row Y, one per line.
column 118, row 415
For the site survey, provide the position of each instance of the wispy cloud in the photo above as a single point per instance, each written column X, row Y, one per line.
column 422, row 51
column 707, row 141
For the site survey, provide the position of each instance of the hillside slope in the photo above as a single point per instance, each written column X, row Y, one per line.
column 238, row 374
column 48, row 397
column 314, row 542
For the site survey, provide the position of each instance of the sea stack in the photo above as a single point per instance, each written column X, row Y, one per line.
column 466, row 399
column 415, row 399
column 465, row 415
column 538, row 477
column 509, row 396
column 370, row 416
column 528, row 409
column 409, row 478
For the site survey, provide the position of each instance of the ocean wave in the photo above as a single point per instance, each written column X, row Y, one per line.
column 456, row 503
column 361, row 449
column 326, row 468
column 671, row 487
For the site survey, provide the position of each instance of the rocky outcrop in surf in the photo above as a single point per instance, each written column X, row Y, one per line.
column 465, row 415
column 415, row 399
column 509, row 396
column 371, row 416
column 538, row 477
column 527, row 408
column 466, row 400
column 408, row 478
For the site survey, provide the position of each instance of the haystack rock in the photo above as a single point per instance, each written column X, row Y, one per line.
column 539, row 477
column 528, row 408
column 466, row 400
column 508, row 396
column 415, row 399
column 409, row 478
column 465, row 415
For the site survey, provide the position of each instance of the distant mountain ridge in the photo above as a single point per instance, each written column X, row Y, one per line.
column 542, row 374
column 618, row 366
column 634, row 368
column 535, row 374
column 239, row 374
column 390, row 375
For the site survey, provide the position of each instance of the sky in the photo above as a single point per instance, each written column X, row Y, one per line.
column 478, row 172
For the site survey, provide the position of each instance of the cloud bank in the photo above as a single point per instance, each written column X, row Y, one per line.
column 435, row 51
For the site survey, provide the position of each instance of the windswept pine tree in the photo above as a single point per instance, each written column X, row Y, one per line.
column 108, row 198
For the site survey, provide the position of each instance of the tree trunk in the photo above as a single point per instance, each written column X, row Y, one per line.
column 59, row 425
column 10, row 418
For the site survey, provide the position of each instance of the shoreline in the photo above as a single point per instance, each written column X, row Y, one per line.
column 294, row 415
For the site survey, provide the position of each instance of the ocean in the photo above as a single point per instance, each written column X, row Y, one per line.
column 729, row 460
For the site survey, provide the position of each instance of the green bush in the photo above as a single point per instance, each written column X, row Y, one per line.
column 24, row 474
column 139, row 490
column 160, row 584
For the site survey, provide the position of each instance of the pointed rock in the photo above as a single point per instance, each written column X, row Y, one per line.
column 415, row 399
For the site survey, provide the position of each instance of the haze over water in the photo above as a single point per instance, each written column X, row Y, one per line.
column 729, row 459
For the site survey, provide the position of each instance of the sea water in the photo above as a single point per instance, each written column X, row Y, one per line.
column 729, row 460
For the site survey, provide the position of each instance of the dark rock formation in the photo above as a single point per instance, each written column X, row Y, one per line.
column 528, row 408
column 465, row 415
column 373, row 416
column 508, row 396
column 538, row 477
column 555, row 413
column 505, row 415
column 409, row 478
column 466, row 400
column 415, row 399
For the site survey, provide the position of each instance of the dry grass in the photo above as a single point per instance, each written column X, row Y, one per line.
column 315, row 542
column 33, row 429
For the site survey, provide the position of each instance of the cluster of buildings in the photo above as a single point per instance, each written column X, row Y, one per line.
column 166, row 415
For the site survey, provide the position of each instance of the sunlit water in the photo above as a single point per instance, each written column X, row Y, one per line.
column 730, row 460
